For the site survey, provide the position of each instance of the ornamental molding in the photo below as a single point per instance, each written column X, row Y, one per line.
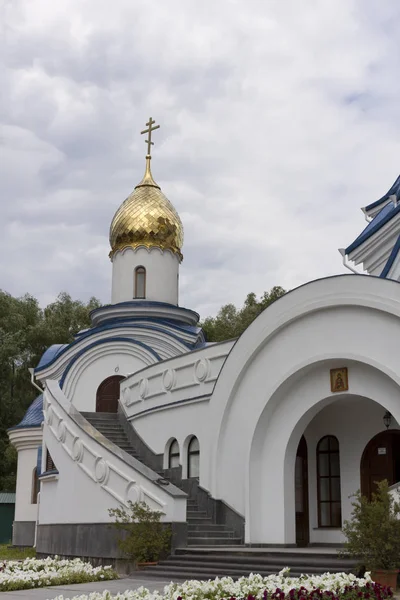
column 184, row 378
column 26, row 438
column 148, row 249
column 110, row 469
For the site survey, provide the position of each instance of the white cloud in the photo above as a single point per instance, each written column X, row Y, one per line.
column 279, row 120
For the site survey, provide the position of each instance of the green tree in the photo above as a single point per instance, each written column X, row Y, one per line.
column 230, row 321
column 26, row 330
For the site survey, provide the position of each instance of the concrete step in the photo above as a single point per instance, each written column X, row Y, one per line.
column 256, row 566
column 277, row 559
column 213, row 541
column 206, row 526
column 210, row 533
column 97, row 416
column 196, row 514
column 199, row 520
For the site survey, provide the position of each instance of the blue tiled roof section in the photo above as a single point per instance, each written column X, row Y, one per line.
column 387, row 213
column 7, row 498
column 394, row 191
column 33, row 416
column 391, row 259
column 50, row 354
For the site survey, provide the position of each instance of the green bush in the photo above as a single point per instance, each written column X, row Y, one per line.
column 147, row 539
column 373, row 532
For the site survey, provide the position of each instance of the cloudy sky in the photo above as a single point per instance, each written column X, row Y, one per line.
column 279, row 120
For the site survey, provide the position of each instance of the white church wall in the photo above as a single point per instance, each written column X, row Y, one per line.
column 25, row 510
column 189, row 376
column 181, row 423
column 162, row 268
column 92, row 477
column 276, row 380
column 102, row 361
column 27, row 442
column 354, row 421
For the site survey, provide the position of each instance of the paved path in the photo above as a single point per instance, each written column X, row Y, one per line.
column 69, row 591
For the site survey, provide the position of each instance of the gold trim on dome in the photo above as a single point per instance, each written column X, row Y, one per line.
column 146, row 218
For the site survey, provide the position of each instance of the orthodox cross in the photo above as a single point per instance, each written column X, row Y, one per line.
column 149, row 129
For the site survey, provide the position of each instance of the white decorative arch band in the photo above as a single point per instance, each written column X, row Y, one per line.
column 108, row 348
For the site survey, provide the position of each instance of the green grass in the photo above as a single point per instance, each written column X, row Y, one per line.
column 8, row 553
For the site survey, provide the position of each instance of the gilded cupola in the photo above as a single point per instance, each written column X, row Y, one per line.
column 147, row 218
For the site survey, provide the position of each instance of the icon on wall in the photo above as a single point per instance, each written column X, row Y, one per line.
column 339, row 380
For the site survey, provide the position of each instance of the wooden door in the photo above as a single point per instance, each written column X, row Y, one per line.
column 108, row 394
column 301, row 495
column 380, row 460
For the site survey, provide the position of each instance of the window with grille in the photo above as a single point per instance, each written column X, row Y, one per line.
column 50, row 466
column 328, row 474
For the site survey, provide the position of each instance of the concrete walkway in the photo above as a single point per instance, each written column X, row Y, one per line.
column 69, row 591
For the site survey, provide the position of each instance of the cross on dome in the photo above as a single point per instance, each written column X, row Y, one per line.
column 149, row 129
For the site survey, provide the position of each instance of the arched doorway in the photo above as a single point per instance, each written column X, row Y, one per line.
column 380, row 460
column 108, row 394
column 301, row 494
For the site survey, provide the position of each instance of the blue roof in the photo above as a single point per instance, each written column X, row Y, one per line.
column 50, row 354
column 33, row 416
column 394, row 191
column 7, row 498
column 391, row 259
column 377, row 222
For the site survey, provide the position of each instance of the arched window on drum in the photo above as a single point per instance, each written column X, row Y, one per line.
column 140, row 283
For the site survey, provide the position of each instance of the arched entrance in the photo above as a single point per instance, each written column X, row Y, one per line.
column 380, row 460
column 301, row 494
column 108, row 394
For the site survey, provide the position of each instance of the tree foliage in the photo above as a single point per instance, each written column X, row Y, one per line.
column 373, row 532
column 230, row 321
column 26, row 330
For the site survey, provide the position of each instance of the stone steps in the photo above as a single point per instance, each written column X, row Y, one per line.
column 109, row 426
column 208, row 563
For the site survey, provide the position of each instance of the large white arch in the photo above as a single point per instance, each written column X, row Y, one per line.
column 277, row 378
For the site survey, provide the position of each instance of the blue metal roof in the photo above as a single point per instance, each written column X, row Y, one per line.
column 33, row 416
column 391, row 259
column 384, row 215
column 7, row 498
column 50, row 354
column 394, row 191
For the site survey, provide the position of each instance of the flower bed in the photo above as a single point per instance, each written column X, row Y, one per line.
column 33, row 573
column 255, row 587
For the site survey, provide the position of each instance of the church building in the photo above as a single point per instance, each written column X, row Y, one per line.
column 258, row 441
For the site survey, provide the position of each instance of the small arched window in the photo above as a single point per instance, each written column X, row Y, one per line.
column 35, row 486
column 193, row 457
column 328, row 473
column 140, row 282
column 173, row 455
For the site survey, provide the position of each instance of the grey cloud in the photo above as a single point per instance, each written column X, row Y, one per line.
column 278, row 123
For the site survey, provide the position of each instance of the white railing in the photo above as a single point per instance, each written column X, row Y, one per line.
column 188, row 377
column 94, row 473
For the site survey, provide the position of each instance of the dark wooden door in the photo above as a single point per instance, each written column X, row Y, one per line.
column 380, row 460
column 301, row 494
column 108, row 394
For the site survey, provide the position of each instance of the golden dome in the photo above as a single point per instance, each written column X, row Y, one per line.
column 146, row 218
